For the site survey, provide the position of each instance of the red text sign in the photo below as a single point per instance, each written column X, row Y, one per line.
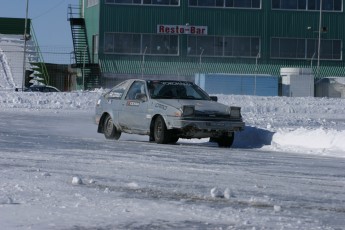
column 178, row 29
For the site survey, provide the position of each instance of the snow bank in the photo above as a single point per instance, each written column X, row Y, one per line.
column 52, row 101
column 314, row 139
column 296, row 124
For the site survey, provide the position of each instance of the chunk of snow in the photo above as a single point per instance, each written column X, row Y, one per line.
column 77, row 180
column 216, row 193
column 228, row 193
column 277, row 208
column 133, row 185
column 46, row 174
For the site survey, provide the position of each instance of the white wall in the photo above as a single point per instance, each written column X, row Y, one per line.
column 11, row 60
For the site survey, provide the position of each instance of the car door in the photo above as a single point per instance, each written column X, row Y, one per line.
column 133, row 116
column 113, row 101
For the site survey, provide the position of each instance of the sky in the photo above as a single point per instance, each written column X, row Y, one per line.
column 285, row 170
column 49, row 19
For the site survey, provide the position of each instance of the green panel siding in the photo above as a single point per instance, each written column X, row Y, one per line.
column 264, row 23
column 137, row 19
column 92, row 16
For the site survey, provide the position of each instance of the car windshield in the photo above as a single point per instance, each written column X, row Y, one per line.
column 176, row 90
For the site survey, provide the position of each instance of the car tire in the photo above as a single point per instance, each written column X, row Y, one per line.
column 226, row 140
column 160, row 132
column 109, row 129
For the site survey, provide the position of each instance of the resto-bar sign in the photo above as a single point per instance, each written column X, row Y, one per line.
column 179, row 29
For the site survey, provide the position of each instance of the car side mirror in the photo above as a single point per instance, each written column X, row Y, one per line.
column 141, row 97
column 214, row 98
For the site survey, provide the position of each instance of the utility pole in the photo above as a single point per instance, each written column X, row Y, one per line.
column 319, row 42
column 142, row 63
column 202, row 51
column 84, row 54
column 25, row 39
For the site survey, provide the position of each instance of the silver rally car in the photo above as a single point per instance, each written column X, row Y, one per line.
column 166, row 111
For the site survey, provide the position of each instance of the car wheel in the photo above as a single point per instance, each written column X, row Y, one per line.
column 225, row 140
column 109, row 129
column 160, row 132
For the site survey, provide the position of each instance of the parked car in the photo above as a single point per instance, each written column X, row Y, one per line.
column 41, row 88
column 166, row 111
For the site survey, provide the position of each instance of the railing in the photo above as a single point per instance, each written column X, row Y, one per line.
column 41, row 59
column 73, row 11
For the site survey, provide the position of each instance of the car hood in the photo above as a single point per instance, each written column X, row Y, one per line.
column 202, row 106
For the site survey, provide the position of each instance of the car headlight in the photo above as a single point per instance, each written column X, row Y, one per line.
column 188, row 110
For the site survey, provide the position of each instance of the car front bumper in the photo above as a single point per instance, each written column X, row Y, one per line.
column 201, row 128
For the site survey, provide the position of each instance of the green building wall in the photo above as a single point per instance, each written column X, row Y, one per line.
column 264, row 23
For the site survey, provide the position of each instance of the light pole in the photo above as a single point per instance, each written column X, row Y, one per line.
column 256, row 71
column 25, row 38
column 84, row 53
column 142, row 63
column 311, row 61
column 202, row 51
column 319, row 42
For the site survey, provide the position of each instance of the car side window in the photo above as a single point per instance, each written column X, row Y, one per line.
column 117, row 91
column 138, row 87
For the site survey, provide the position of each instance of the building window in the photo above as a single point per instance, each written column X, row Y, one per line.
column 161, row 2
column 122, row 43
column 145, row 2
column 288, row 48
column 248, row 4
column 327, row 5
column 300, row 48
column 132, row 44
column 220, row 46
column 123, row 1
column 160, row 44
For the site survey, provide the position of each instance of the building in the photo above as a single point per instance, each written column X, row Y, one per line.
column 19, row 69
column 116, row 39
column 11, row 51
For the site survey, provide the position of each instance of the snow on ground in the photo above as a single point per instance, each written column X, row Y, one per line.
column 315, row 125
column 285, row 171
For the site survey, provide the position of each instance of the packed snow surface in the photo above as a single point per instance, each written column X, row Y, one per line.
column 285, row 170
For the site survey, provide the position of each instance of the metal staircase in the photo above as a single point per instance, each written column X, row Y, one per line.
column 82, row 57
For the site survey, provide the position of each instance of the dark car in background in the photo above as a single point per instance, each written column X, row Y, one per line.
column 41, row 88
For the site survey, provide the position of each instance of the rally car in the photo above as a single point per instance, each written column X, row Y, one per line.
column 166, row 110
